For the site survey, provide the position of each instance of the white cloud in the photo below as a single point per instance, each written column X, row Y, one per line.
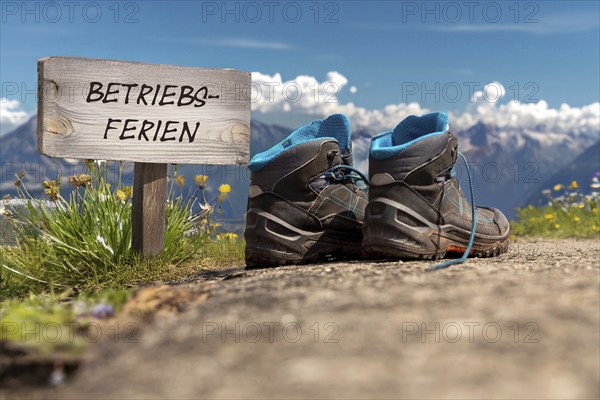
column 233, row 42
column 353, row 89
column 306, row 95
column 253, row 44
column 491, row 93
column 490, row 27
column 11, row 115
column 244, row 43
column 550, row 24
column 270, row 93
column 515, row 115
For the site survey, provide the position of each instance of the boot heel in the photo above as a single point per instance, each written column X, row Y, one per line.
column 391, row 230
column 269, row 242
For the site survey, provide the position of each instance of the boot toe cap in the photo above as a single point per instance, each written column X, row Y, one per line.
column 501, row 222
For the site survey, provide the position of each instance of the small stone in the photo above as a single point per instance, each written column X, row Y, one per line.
column 57, row 376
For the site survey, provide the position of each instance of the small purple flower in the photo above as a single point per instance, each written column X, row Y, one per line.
column 103, row 310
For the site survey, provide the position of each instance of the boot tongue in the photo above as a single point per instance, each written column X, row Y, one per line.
column 329, row 156
column 414, row 127
column 336, row 126
column 347, row 157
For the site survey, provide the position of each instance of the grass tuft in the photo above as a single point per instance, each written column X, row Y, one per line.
column 569, row 213
column 83, row 243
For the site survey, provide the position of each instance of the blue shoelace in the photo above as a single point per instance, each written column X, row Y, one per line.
column 461, row 260
column 350, row 168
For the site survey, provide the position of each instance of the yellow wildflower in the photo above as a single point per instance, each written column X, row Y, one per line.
column 52, row 189
column 227, row 236
column 576, row 220
column 558, row 187
column 532, row 219
column 556, row 226
column 201, row 180
column 180, row 179
column 225, row 188
column 580, row 205
column 596, row 228
column 128, row 190
column 124, row 193
column 573, row 185
column 120, row 195
column 549, row 216
column 80, row 180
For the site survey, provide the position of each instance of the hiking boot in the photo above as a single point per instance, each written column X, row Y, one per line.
column 306, row 202
column 417, row 209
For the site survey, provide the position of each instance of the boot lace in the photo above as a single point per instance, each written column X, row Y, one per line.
column 349, row 172
column 340, row 173
column 462, row 259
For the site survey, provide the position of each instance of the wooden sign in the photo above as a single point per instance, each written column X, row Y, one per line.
column 116, row 110
column 151, row 114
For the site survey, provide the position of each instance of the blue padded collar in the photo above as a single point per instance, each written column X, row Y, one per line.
column 336, row 126
column 412, row 129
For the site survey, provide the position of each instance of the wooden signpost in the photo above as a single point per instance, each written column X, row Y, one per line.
column 151, row 114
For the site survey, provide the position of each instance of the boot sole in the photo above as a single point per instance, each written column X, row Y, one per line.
column 386, row 237
column 271, row 242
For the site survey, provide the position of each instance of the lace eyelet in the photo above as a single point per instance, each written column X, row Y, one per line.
column 332, row 153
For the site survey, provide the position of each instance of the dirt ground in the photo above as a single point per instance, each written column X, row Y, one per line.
column 522, row 325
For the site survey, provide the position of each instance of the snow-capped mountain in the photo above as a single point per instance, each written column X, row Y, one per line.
column 18, row 152
column 511, row 166
column 581, row 170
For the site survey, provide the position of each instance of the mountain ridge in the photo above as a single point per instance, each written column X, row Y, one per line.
column 510, row 166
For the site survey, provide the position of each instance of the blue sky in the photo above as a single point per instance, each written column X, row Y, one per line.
column 538, row 50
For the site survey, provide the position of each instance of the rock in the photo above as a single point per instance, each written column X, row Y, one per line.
column 16, row 209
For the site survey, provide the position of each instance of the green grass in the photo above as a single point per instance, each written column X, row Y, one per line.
column 568, row 214
column 77, row 256
column 84, row 244
column 54, row 323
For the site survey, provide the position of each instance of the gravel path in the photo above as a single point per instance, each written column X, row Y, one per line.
column 525, row 325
